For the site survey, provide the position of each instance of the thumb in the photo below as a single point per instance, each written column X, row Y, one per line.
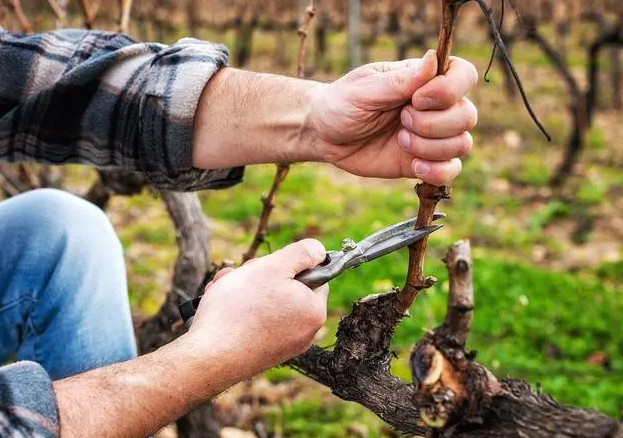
column 398, row 81
column 298, row 256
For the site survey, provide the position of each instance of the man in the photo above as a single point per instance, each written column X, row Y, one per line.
column 188, row 122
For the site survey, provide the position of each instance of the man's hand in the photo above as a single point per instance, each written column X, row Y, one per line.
column 250, row 319
column 258, row 316
column 396, row 119
column 386, row 120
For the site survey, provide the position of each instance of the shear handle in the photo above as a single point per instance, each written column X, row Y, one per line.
column 323, row 273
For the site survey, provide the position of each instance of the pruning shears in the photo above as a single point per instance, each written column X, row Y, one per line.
column 351, row 255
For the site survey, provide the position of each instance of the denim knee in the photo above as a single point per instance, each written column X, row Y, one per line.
column 63, row 215
column 63, row 267
column 55, row 240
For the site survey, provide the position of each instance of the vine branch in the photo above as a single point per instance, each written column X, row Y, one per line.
column 60, row 13
column 125, row 6
column 303, row 31
column 428, row 194
column 15, row 6
column 499, row 43
column 87, row 13
column 267, row 208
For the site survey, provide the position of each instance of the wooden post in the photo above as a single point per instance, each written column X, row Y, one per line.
column 354, row 33
column 616, row 78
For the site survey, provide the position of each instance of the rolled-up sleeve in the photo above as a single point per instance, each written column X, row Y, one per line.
column 176, row 78
column 27, row 403
column 101, row 98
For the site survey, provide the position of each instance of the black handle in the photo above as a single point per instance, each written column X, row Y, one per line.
column 312, row 278
column 188, row 310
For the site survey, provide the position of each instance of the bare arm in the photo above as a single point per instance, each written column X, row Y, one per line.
column 249, row 118
column 252, row 318
column 386, row 120
column 138, row 397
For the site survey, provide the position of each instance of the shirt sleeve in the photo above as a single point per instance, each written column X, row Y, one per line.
column 100, row 98
column 27, row 403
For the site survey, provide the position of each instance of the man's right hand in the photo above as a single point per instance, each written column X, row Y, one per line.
column 250, row 319
column 258, row 316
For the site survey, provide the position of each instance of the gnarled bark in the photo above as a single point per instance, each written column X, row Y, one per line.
column 114, row 181
column 454, row 396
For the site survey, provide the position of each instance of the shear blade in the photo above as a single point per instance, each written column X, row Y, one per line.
column 398, row 241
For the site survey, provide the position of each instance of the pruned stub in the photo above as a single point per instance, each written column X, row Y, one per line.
column 442, row 372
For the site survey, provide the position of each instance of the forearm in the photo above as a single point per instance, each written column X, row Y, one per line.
column 249, row 118
column 136, row 398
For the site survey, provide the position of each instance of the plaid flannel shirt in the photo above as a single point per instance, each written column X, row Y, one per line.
column 98, row 98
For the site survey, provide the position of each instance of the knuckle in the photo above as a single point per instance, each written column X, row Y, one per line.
column 316, row 318
column 424, row 126
column 465, row 145
column 418, row 147
column 472, row 115
column 320, row 318
column 395, row 81
column 447, row 96
column 310, row 251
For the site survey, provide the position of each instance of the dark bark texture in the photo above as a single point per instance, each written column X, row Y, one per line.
column 518, row 411
column 454, row 396
column 114, row 181
column 358, row 367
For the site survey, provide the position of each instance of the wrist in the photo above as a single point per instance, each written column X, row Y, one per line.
column 197, row 369
column 306, row 142
column 207, row 362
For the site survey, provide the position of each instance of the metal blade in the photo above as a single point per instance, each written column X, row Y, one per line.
column 395, row 242
column 385, row 234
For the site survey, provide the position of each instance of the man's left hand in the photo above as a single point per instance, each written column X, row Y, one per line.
column 397, row 119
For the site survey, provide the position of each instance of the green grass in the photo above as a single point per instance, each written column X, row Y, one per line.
column 315, row 419
column 611, row 272
column 595, row 139
column 592, row 193
column 548, row 214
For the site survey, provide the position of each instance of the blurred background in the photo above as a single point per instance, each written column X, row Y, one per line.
column 545, row 219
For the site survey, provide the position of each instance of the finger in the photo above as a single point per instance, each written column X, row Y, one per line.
column 397, row 81
column 319, row 305
column 298, row 256
column 437, row 173
column 323, row 293
column 441, row 124
column 435, row 149
column 444, row 91
column 221, row 273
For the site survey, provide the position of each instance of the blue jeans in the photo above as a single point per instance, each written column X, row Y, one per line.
column 63, row 292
